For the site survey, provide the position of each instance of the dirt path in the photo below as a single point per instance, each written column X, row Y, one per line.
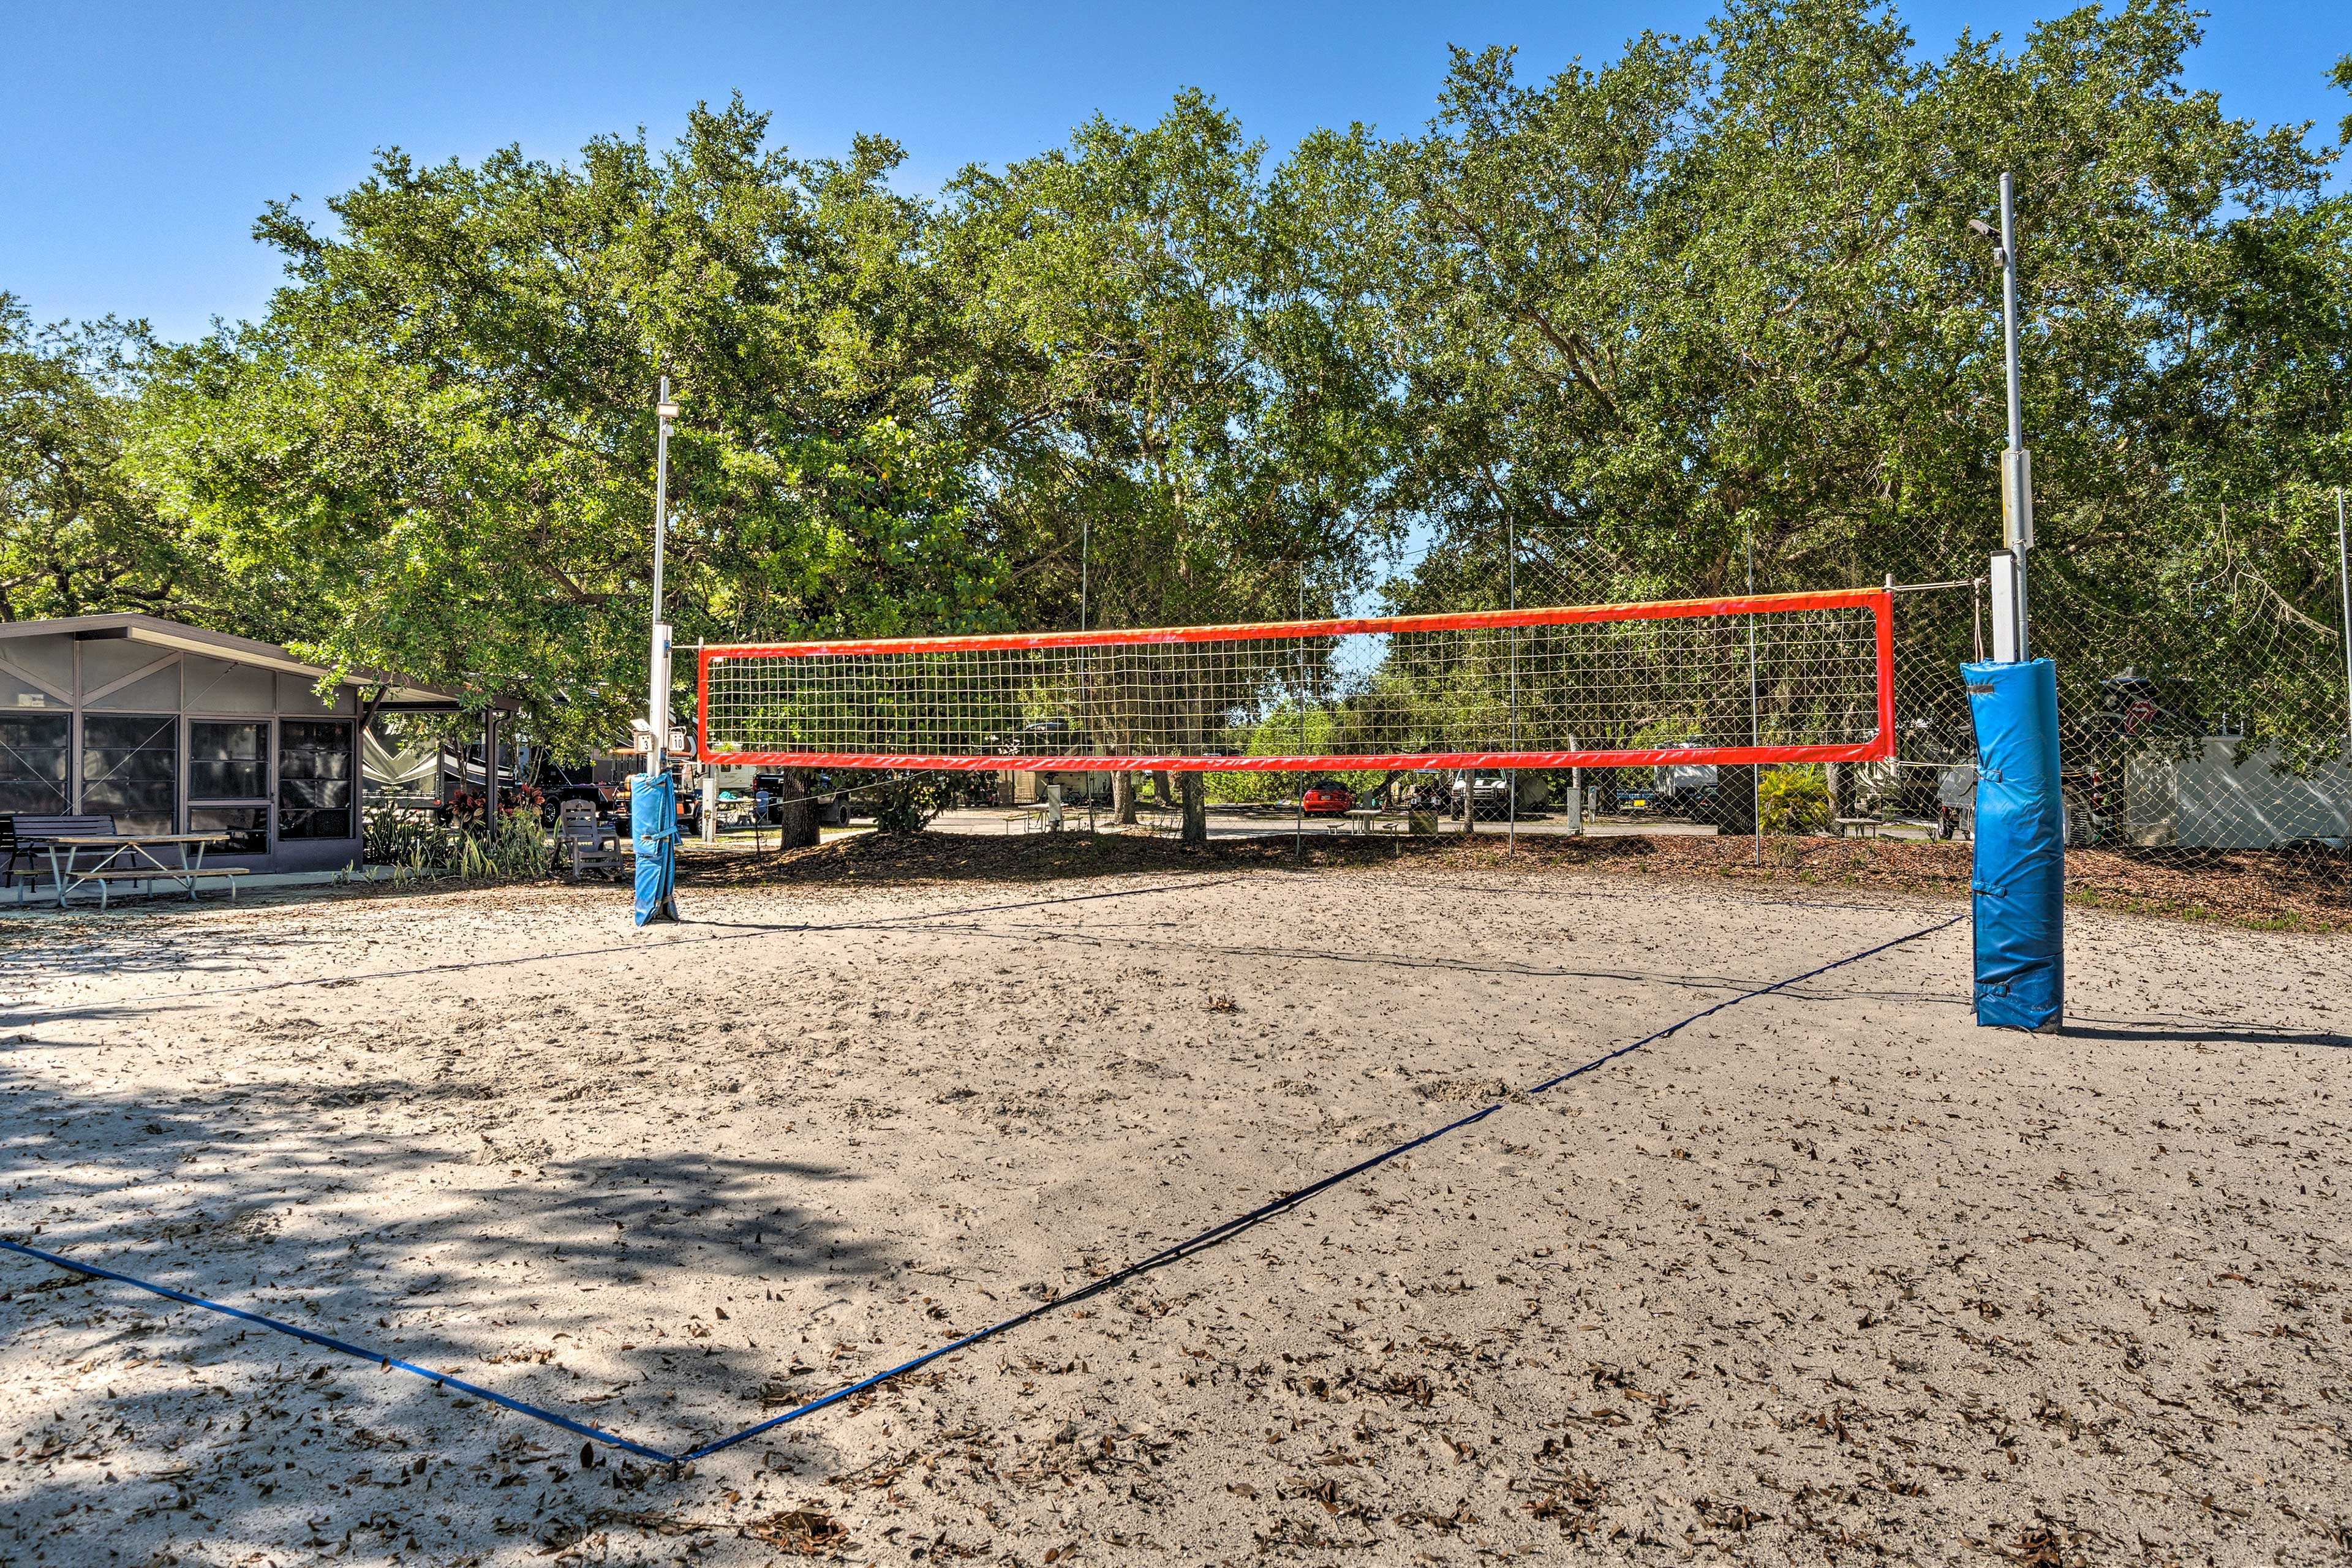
column 1830, row 1273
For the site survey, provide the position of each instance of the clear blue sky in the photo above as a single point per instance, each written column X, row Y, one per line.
column 139, row 142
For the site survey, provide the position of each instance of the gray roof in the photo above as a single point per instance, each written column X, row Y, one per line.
column 154, row 629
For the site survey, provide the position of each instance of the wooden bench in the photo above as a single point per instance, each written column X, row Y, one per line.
column 1858, row 826
column 186, row 878
column 24, row 836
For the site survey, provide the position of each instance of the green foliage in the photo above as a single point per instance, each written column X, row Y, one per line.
column 1177, row 368
column 443, row 425
column 1723, row 288
column 1793, row 799
column 515, row 849
column 1282, row 732
column 80, row 532
column 906, row 802
column 396, row 836
column 899, row 415
column 1719, row 293
column 1723, row 291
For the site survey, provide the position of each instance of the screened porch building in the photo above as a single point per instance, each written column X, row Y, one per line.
column 173, row 728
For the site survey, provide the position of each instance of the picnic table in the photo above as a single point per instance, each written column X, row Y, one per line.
column 1367, row 817
column 130, row 858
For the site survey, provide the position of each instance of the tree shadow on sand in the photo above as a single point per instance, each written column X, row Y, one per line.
column 163, row 1425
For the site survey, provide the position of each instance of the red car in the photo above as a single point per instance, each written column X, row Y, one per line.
column 1327, row 799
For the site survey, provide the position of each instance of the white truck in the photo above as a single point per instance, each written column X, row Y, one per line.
column 1492, row 790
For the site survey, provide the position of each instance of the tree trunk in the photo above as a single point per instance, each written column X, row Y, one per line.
column 1196, row 809
column 1469, row 800
column 1159, row 783
column 1841, row 778
column 800, row 824
column 1122, row 799
column 1735, row 799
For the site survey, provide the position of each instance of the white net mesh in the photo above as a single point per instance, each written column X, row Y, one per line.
column 1792, row 678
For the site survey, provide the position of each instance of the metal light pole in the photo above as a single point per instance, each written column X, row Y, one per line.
column 657, row 701
column 2016, row 466
column 2018, row 881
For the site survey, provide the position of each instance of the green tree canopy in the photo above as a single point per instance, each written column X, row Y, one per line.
column 1724, row 290
column 1718, row 294
column 443, row 429
column 1182, row 376
column 80, row 531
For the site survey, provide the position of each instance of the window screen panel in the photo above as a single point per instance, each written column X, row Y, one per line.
column 245, row 830
column 314, row 779
column 228, row 760
column 33, row 749
column 130, row 770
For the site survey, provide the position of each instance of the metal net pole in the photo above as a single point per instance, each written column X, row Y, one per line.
column 1755, row 712
column 1511, row 564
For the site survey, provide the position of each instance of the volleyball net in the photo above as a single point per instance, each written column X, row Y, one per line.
column 1779, row 677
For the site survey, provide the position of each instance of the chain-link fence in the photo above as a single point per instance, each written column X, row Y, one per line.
column 2202, row 688
column 2201, row 677
column 2220, row 727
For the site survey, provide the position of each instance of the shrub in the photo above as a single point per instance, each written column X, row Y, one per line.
column 1793, row 800
column 517, row 849
column 394, row 836
column 411, row 840
column 907, row 803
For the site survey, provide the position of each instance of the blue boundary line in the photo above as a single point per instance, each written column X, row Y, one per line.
column 1216, row 1233
column 329, row 1342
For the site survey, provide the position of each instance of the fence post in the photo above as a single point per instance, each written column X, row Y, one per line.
column 2344, row 585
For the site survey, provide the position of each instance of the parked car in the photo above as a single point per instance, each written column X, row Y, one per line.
column 606, row 800
column 1492, row 790
column 1627, row 799
column 768, row 793
column 1327, row 797
column 688, row 801
column 833, row 804
column 1684, row 789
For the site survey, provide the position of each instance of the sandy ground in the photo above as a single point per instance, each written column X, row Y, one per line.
column 1829, row 1275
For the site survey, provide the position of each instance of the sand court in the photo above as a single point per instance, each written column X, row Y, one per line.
column 1829, row 1271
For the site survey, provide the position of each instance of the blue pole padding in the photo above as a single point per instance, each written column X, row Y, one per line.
column 2019, row 879
column 652, row 823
